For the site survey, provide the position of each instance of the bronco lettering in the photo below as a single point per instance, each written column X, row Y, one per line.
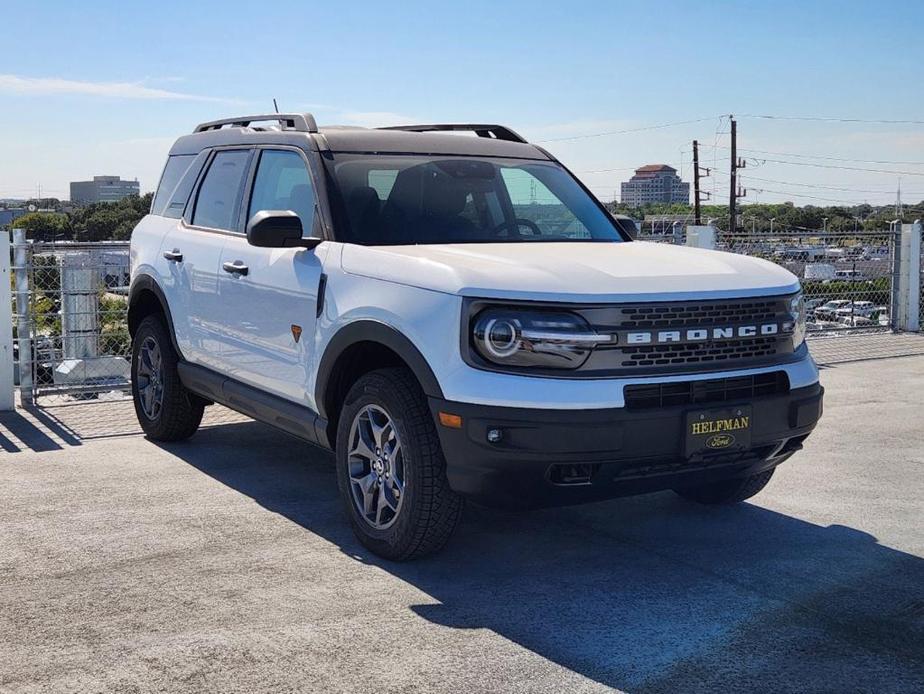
column 705, row 334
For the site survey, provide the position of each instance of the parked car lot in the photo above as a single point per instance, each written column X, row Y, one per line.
column 855, row 308
column 828, row 311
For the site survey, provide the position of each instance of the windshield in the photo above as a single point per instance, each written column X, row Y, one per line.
column 419, row 199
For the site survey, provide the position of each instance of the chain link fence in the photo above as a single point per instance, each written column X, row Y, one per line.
column 70, row 302
column 847, row 278
column 70, row 319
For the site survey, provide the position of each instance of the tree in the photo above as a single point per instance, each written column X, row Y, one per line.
column 44, row 226
column 104, row 221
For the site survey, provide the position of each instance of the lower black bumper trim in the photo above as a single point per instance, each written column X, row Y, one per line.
column 554, row 457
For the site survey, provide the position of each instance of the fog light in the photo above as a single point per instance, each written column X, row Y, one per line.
column 495, row 435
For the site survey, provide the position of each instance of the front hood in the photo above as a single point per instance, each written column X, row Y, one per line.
column 579, row 272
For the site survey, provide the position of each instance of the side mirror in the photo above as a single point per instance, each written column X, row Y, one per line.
column 278, row 229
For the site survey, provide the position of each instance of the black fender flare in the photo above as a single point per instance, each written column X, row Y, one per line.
column 145, row 283
column 381, row 333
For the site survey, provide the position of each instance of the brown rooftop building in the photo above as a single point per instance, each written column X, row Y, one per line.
column 654, row 183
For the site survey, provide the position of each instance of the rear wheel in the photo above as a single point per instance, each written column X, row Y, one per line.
column 390, row 468
column 729, row 491
column 165, row 409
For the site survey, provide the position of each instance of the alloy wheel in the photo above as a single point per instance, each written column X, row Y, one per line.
column 376, row 467
column 150, row 372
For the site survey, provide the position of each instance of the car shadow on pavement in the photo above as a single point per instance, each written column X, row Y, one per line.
column 647, row 594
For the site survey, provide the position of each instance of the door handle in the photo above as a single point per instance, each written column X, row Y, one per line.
column 174, row 256
column 235, row 268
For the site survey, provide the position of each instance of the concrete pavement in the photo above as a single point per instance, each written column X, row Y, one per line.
column 225, row 564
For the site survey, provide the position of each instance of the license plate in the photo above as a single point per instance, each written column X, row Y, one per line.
column 718, row 431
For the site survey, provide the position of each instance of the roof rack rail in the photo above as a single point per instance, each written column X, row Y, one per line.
column 300, row 122
column 498, row 132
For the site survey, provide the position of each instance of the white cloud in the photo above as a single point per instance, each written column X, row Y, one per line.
column 48, row 86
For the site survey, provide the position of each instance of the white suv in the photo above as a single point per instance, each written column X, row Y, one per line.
column 455, row 316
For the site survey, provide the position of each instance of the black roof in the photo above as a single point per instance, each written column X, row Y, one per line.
column 493, row 140
column 388, row 140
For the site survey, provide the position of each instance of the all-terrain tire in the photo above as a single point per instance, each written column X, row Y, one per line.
column 180, row 412
column 430, row 510
column 729, row 491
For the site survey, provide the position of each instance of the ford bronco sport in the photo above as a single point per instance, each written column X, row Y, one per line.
column 455, row 316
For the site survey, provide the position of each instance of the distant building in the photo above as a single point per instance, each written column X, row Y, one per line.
column 103, row 189
column 654, row 183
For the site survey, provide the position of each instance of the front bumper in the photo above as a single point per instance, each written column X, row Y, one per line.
column 557, row 457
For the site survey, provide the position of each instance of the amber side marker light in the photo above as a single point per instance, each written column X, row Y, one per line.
column 453, row 421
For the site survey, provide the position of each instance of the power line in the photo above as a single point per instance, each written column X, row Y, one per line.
column 829, row 119
column 818, row 185
column 821, row 156
column 832, row 166
column 809, row 197
column 800, row 184
column 629, row 130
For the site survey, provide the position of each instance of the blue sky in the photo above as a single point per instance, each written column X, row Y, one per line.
column 104, row 87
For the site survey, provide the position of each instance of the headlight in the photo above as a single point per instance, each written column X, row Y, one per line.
column 557, row 340
column 797, row 309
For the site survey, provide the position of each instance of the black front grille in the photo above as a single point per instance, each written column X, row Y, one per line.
column 698, row 334
column 664, row 355
column 699, row 313
column 656, row 395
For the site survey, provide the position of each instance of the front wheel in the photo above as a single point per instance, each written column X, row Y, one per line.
column 727, row 492
column 390, row 468
column 165, row 409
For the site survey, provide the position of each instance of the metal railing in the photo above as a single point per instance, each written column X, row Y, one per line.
column 70, row 318
column 70, row 301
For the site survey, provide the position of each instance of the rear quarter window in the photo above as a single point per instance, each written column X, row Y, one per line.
column 177, row 165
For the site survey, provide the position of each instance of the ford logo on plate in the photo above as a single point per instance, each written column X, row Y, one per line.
column 720, row 441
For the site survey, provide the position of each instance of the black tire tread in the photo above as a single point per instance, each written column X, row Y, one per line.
column 182, row 411
column 438, row 508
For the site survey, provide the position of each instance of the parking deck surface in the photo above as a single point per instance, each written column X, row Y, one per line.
column 225, row 564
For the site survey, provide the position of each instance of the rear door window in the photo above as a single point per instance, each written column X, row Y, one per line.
column 218, row 201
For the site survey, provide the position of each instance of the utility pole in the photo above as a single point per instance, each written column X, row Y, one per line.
column 735, row 191
column 696, row 218
column 733, row 187
column 697, row 193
